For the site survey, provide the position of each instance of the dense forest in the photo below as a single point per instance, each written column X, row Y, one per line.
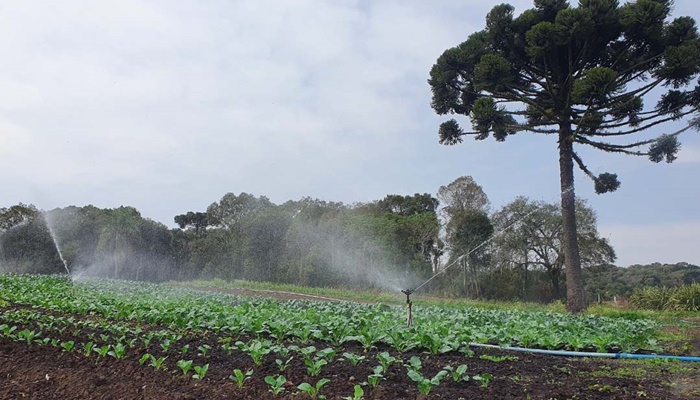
column 396, row 242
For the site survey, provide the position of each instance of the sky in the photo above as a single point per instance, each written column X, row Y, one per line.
column 167, row 105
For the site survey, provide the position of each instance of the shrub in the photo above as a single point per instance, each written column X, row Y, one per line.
column 685, row 298
column 651, row 298
column 681, row 298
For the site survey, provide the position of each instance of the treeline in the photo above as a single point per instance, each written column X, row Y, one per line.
column 393, row 243
column 606, row 281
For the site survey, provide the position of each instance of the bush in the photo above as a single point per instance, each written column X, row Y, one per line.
column 685, row 298
column 651, row 298
column 680, row 298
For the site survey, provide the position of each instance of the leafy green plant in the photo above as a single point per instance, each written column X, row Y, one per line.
column 307, row 352
column 256, row 349
column 414, row 363
column 282, row 365
column 157, row 363
column 144, row 358
column 353, row 358
column 385, row 359
column 376, row 376
column 358, row 393
column 185, row 366
column 312, row 391
column 200, row 371
column 498, row 358
column 685, row 298
column 276, row 384
column 484, row 379
column 118, row 351
column 204, row 350
column 314, row 366
column 165, row 345
column 424, row 384
column 459, row 374
column 103, row 350
column 27, row 335
column 651, row 298
column 328, row 354
column 68, row 346
column 239, row 377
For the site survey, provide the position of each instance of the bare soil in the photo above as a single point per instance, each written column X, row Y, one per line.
column 33, row 371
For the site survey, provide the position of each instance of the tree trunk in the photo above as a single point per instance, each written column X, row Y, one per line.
column 575, row 298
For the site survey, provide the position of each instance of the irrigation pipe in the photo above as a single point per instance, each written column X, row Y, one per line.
column 586, row 354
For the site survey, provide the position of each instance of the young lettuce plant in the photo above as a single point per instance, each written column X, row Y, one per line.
column 484, row 379
column 239, row 377
column 312, row 391
column 328, row 354
column 414, row 363
column 358, row 394
column 118, row 351
column 157, row 363
column 276, row 384
column 185, row 366
column 424, row 384
column 386, row 360
column 68, row 346
column 102, row 351
column 353, row 358
column 315, row 365
column 458, row 374
column 377, row 375
column 282, row 365
column 201, row 371
column 256, row 349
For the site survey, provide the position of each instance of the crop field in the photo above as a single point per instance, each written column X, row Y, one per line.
column 118, row 339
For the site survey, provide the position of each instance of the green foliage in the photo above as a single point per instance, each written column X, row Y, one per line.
column 200, row 371
column 239, row 377
column 484, row 379
column 442, row 328
column 680, row 298
column 185, row 366
column 358, row 393
column 276, row 384
column 312, row 391
column 376, row 376
column 579, row 73
column 425, row 385
column 354, row 358
column 651, row 298
column 458, row 374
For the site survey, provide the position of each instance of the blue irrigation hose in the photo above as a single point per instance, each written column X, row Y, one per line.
column 586, row 354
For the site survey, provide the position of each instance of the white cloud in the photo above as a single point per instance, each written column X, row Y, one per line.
column 168, row 104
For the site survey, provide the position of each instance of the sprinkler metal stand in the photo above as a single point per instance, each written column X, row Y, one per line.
column 409, row 318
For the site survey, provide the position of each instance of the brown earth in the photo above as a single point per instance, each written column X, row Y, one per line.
column 33, row 371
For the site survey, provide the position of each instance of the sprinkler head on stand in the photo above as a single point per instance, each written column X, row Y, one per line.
column 407, row 292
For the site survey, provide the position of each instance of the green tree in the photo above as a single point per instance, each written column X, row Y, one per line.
column 465, row 209
column 195, row 220
column 580, row 74
column 531, row 238
column 469, row 231
column 119, row 236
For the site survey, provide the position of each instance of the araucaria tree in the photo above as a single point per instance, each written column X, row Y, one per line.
column 581, row 74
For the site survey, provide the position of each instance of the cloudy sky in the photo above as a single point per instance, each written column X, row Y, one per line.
column 166, row 105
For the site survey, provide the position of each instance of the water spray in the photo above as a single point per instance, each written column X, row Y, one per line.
column 58, row 250
column 408, row 292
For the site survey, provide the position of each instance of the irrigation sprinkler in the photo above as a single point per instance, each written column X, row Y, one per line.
column 408, row 292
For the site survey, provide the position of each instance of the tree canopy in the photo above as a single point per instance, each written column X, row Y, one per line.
column 584, row 74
